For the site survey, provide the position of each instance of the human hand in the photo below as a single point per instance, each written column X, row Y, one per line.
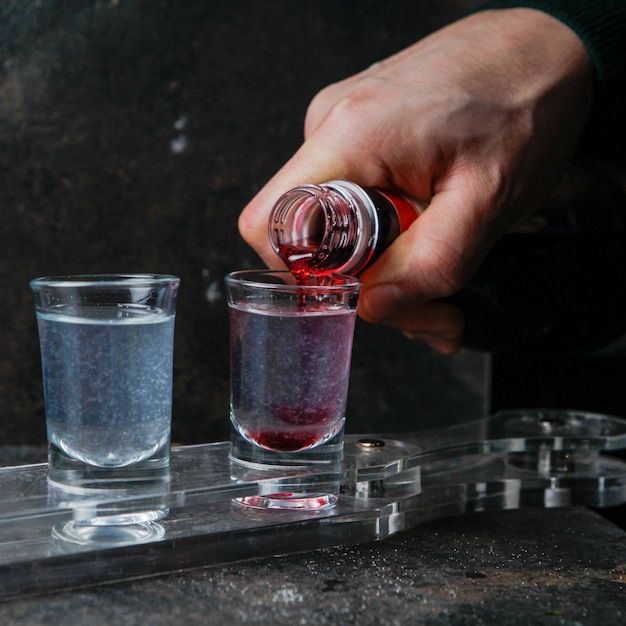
column 479, row 120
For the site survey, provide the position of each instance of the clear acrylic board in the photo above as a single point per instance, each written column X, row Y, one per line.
column 511, row 460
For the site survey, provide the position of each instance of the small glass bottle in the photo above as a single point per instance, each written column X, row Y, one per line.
column 337, row 227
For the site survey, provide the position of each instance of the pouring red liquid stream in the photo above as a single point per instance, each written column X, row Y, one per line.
column 319, row 230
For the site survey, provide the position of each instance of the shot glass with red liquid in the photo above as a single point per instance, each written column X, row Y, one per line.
column 290, row 353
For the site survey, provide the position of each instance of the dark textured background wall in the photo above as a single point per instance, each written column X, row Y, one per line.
column 133, row 132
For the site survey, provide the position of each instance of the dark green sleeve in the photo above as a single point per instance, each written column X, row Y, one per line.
column 601, row 26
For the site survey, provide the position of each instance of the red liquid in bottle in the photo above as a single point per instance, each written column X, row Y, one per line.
column 337, row 227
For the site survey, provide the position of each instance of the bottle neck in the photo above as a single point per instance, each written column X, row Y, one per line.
column 336, row 227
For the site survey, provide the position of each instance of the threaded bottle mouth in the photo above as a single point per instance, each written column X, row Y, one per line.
column 321, row 228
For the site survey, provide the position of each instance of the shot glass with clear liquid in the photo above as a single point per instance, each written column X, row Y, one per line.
column 290, row 354
column 107, row 352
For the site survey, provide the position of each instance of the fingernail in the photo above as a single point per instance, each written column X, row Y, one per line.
column 443, row 346
column 446, row 341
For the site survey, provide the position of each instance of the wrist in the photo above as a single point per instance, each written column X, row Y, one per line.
column 521, row 55
column 599, row 24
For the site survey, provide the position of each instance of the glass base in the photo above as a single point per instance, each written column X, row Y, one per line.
column 290, row 501
column 82, row 478
column 100, row 496
column 70, row 536
column 303, row 480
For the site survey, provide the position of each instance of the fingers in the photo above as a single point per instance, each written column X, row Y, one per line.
column 307, row 166
column 320, row 159
column 432, row 260
column 437, row 323
column 345, row 129
column 325, row 100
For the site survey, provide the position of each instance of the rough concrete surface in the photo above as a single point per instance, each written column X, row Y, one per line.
column 557, row 567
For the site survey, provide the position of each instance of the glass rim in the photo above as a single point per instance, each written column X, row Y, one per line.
column 246, row 277
column 103, row 280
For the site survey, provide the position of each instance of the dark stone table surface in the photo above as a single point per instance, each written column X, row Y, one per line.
column 532, row 566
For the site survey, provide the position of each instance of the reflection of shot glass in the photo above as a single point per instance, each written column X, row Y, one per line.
column 290, row 350
column 106, row 351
